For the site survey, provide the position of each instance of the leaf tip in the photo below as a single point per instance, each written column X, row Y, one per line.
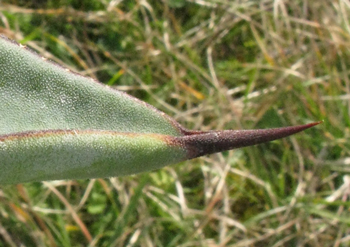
column 203, row 143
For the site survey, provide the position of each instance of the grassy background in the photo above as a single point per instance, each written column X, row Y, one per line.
column 210, row 64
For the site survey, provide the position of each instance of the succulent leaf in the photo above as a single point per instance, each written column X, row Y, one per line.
column 56, row 124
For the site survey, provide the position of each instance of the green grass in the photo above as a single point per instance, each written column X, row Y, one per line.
column 211, row 65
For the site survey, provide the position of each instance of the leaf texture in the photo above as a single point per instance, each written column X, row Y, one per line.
column 38, row 95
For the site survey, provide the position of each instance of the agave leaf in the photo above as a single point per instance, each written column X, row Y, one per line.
column 56, row 124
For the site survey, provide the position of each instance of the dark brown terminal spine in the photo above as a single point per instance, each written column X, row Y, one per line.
column 203, row 143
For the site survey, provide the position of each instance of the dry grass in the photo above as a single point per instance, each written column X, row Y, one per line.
column 211, row 64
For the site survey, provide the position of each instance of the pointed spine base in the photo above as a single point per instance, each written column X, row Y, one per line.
column 203, row 143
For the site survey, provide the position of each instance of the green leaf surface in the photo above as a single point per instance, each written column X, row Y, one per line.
column 83, row 154
column 56, row 124
column 38, row 95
